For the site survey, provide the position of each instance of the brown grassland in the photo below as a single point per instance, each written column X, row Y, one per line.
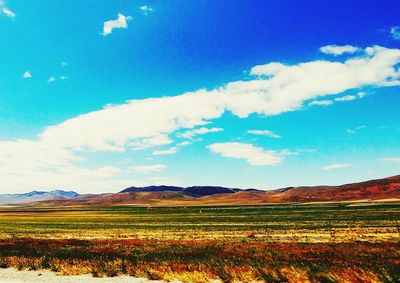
column 331, row 242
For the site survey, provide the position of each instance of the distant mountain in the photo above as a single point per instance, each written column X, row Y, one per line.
column 152, row 189
column 200, row 191
column 196, row 191
column 35, row 196
column 387, row 188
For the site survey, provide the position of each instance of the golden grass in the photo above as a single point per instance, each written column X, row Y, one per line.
column 231, row 244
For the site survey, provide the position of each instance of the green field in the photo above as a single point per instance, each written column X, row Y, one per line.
column 313, row 222
column 336, row 242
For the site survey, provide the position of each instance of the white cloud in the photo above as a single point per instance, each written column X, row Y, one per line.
column 272, row 89
column 148, row 168
column 200, row 131
column 136, row 124
column 361, row 94
column 6, row 11
column 53, row 78
column 356, row 129
column 285, row 88
column 336, row 166
column 120, row 22
column 395, row 160
column 346, row 98
column 108, row 129
column 27, row 164
column 268, row 70
column 337, row 50
column 255, row 156
column 288, row 152
column 146, row 9
column 27, row 75
column 266, row 133
column 169, row 151
column 324, row 102
column 184, row 143
column 158, row 140
column 395, row 32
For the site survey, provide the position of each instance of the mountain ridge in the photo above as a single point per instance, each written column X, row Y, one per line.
column 35, row 195
column 377, row 189
column 195, row 191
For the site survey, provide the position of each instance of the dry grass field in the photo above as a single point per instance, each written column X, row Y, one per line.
column 331, row 242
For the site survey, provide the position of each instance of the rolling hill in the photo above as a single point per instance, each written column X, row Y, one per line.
column 387, row 188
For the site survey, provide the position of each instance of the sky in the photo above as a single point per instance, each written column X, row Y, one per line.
column 97, row 96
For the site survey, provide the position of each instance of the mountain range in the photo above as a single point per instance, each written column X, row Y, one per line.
column 387, row 188
column 36, row 196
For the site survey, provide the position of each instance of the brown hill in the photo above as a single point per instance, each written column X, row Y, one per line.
column 136, row 198
column 386, row 188
column 374, row 190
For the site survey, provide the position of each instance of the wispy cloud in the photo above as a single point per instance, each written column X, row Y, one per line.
column 266, row 133
column 53, row 78
column 184, row 143
column 146, row 9
column 6, row 11
column 356, row 129
column 148, row 168
column 346, row 98
column 336, row 166
column 200, row 131
column 337, row 50
column 288, row 152
column 120, row 22
column 395, row 32
column 361, row 94
column 27, row 75
column 255, row 156
column 326, row 102
column 321, row 102
column 168, row 151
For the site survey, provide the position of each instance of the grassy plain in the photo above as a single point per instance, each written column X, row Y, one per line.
column 331, row 242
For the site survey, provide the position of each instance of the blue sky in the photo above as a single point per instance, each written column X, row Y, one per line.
column 97, row 96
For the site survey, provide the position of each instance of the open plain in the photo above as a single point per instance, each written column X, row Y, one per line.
column 316, row 242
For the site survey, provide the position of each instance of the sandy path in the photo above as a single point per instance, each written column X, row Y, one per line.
column 11, row 275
